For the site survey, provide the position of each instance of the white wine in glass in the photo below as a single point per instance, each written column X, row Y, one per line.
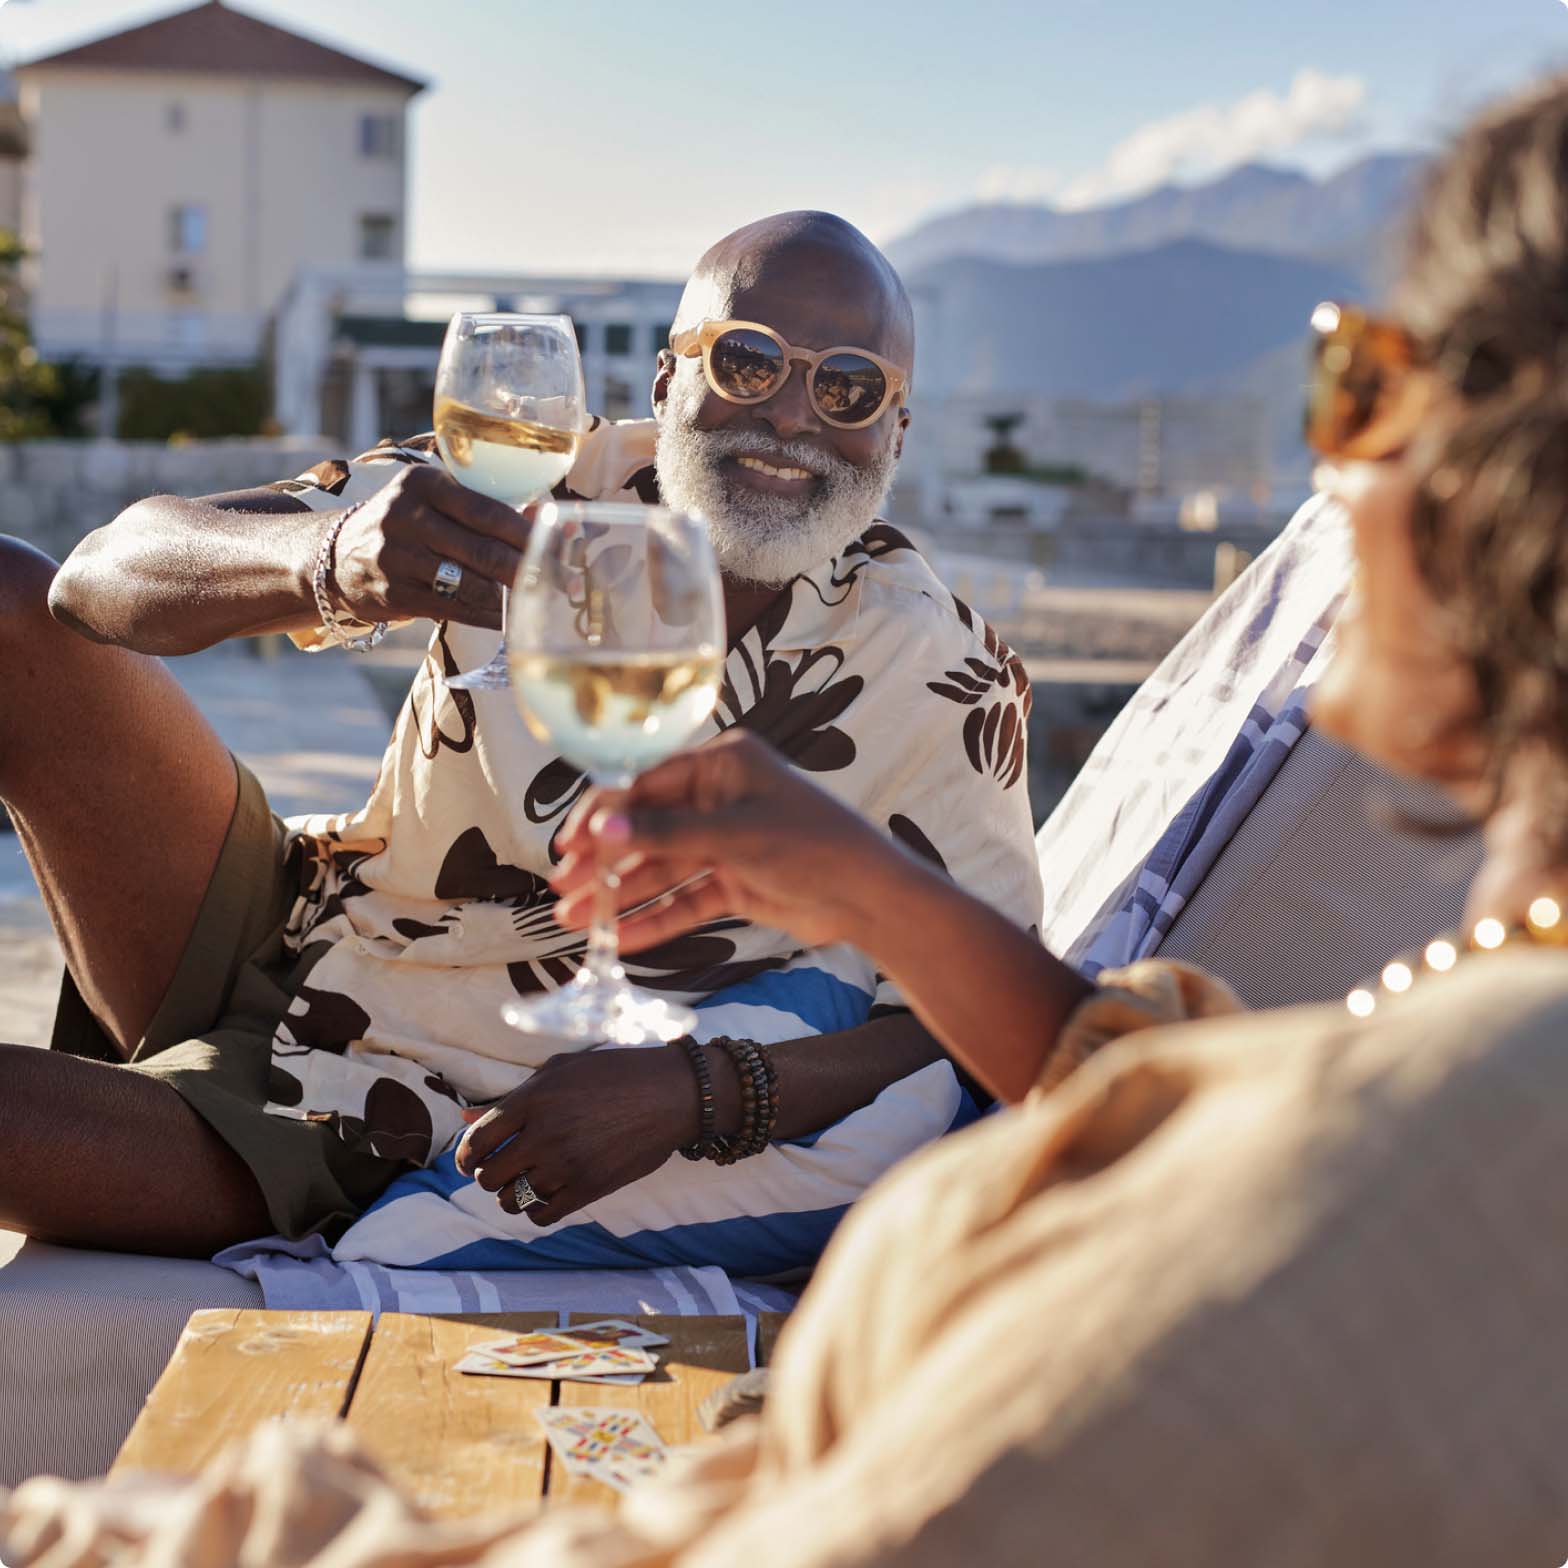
column 616, row 641
column 509, row 417
column 614, row 714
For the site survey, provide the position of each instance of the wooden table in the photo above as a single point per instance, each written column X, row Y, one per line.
column 458, row 1445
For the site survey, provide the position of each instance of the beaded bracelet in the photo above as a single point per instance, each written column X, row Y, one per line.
column 753, row 1066
column 755, row 1099
column 705, row 1125
column 759, row 1097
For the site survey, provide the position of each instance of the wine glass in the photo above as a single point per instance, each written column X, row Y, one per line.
column 509, row 417
column 616, row 642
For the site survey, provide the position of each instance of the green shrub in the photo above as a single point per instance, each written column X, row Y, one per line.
column 199, row 405
column 36, row 399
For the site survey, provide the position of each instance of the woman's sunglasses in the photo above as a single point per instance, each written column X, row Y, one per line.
column 1368, row 393
column 746, row 362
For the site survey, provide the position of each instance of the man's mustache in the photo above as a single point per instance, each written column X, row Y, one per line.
column 720, row 444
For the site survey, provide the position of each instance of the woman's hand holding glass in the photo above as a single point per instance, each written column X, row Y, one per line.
column 726, row 829
column 616, row 640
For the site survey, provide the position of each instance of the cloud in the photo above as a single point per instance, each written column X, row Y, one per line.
column 887, row 210
column 1007, row 182
column 1213, row 137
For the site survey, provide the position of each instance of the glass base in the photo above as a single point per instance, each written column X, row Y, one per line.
column 494, row 676
column 588, row 1009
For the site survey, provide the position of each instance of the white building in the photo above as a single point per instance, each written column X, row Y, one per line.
column 989, row 501
column 1155, row 447
column 180, row 172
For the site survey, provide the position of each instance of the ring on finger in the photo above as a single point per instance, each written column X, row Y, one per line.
column 448, row 579
column 523, row 1192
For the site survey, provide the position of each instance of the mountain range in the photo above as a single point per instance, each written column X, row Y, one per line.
column 1195, row 291
column 1127, row 325
column 1344, row 218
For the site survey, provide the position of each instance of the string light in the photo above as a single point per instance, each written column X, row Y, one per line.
column 1546, row 920
column 1361, row 1002
column 1398, row 977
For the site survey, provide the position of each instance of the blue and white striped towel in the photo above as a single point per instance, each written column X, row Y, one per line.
column 766, row 1217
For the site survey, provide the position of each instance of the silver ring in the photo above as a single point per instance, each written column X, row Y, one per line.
column 448, row 579
column 523, row 1191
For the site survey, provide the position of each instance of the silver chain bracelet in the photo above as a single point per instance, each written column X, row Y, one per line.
column 341, row 627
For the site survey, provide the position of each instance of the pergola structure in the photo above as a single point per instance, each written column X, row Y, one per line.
column 344, row 338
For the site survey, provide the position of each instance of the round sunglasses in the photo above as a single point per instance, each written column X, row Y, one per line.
column 746, row 362
column 1367, row 394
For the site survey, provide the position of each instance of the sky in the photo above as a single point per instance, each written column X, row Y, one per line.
column 622, row 137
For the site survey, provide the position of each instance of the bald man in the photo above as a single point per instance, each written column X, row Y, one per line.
column 263, row 1024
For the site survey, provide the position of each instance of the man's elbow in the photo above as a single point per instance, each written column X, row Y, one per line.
column 73, row 600
column 94, row 594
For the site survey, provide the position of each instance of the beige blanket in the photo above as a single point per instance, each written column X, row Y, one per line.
column 1281, row 1291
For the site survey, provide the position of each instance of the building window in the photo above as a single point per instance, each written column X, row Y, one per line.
column 174, row 118
column 617, row 398
column 617, row 338
column 186, row 329
column 377, row 237
column 188, row 229
column 380, row 136
column 661, row 337
column 581, row 329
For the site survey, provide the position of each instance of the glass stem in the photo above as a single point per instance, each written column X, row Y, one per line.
column 602, row 961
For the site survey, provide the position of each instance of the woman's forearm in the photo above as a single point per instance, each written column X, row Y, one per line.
column 173, row 576
column 989, row 991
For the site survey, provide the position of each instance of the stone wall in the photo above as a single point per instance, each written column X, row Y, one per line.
column 1153, row 552
column 54, row 492
column 1160, row 554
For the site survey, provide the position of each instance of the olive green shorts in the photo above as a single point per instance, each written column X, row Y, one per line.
column 211, row 1037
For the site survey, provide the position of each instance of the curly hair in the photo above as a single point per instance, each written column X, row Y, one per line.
column 1484, row 289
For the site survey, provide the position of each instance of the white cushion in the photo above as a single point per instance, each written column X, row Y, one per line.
column 83, row 1337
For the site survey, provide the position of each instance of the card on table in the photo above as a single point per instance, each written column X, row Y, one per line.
column 617, row 1331
column 610, row 1360
column 617, row 1447
column 526, row 1349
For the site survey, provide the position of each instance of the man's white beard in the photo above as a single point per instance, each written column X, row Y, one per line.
column 759, row 538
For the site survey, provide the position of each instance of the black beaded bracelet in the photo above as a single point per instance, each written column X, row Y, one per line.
column 705, row 1123
column 742, row 1054
column 753, row 1064
column 759, row 1101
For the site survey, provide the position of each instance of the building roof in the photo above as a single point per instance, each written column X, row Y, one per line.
column 213, row 38
column 391, row 332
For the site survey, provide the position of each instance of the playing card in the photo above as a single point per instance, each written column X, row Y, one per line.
column 617, row 1447
column 479, row 1363
column 526, row 1349
column 617, row 1331
column 609, row 1360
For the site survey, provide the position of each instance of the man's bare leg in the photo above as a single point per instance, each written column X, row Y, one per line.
column 122, row 795
column 95, row 1156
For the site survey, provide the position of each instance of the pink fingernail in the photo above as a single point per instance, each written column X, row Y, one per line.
column 613, row 825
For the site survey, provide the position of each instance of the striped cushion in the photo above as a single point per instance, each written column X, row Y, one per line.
column 769, row 1216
